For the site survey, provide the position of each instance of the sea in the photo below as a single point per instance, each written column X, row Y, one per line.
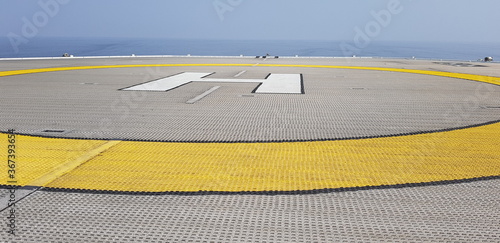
column 56, row 47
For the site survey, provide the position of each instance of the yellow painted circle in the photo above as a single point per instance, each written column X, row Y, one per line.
column 188, row 167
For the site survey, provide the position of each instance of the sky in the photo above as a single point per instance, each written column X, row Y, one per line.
column 396, row 20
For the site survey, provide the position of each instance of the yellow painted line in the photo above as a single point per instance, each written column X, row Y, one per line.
column 64, row 168
column 36, row 157
column 187, row 167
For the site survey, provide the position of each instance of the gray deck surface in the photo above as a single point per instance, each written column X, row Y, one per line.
column 467, row 212
column 338, row 103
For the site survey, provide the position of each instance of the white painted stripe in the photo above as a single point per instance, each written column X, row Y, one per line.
column 169, row 82
column 240, row 73
column 281, row 83
column 230, row 80
column 201, row 96
column 192, row 56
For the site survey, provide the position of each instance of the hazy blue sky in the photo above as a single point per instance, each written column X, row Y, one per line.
column 420, row 20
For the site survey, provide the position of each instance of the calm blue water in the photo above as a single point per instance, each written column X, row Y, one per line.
column 51, row 47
